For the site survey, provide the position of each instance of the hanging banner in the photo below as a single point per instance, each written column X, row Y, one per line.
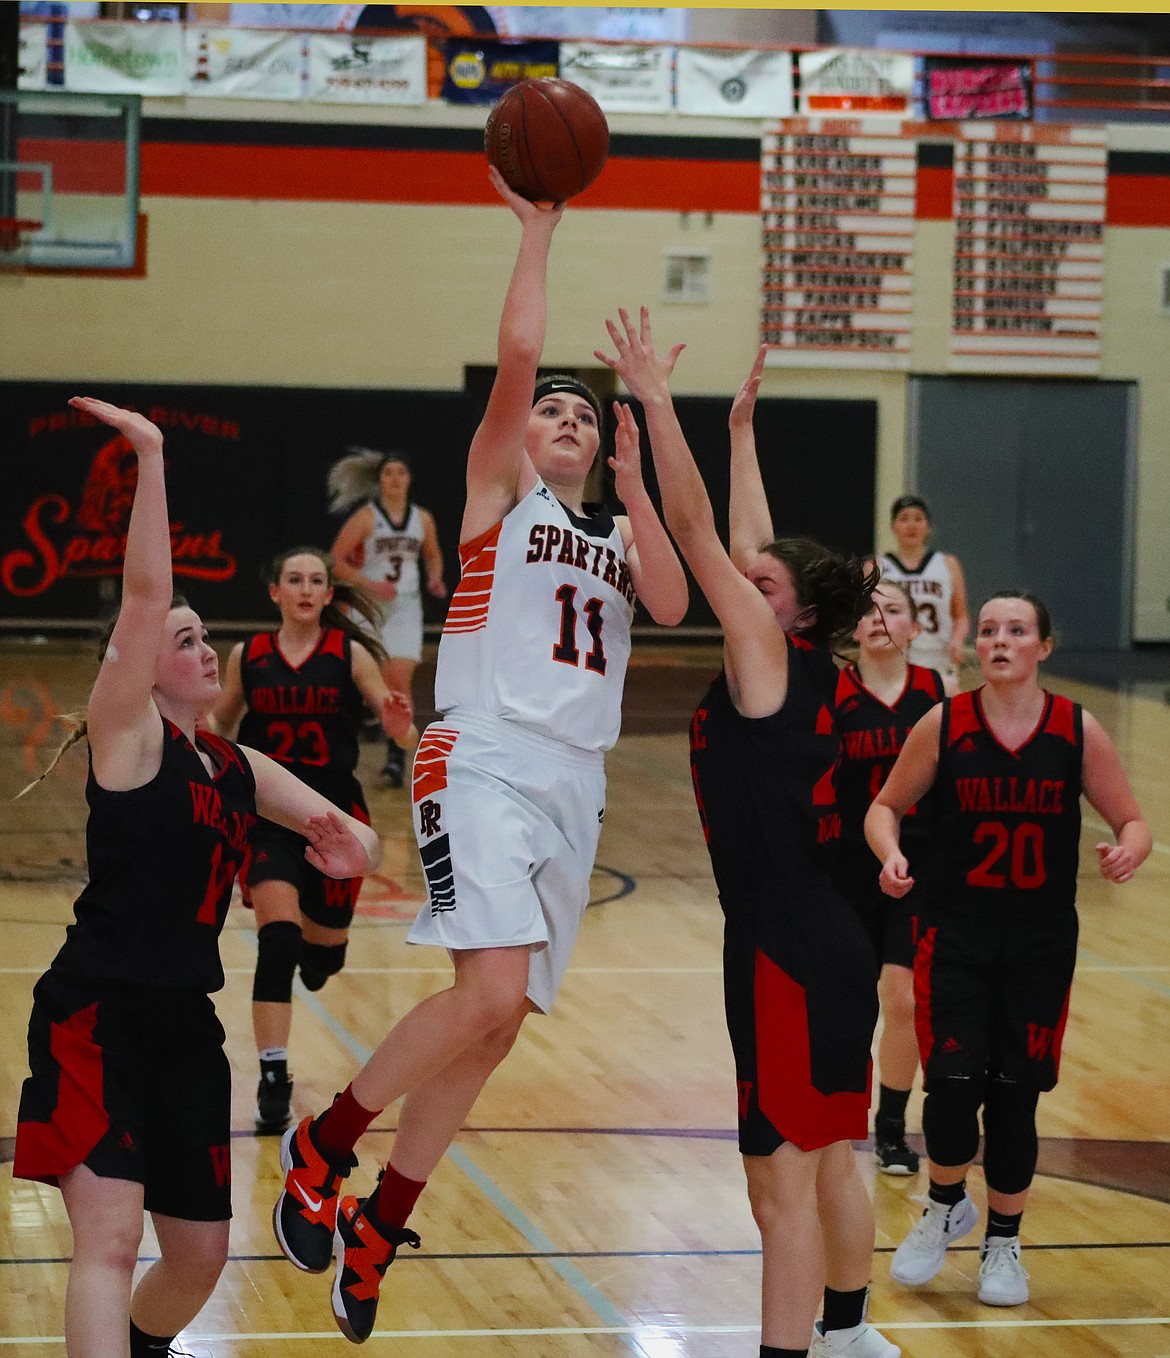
column 734, row 84
column 239, row 63
column 355, row 70
column 478, row 70
column 856, row 80
column 623, row 79
column 114, row 58
column 32, row 56
column 339, row 18
column 962, row 87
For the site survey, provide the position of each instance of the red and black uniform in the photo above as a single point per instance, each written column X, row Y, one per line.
column 128, row 1071
column 306, row 717
column 993, row 972
column 872, row 735
column 799, row 973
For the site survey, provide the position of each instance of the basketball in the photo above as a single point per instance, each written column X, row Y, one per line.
column 548, row 138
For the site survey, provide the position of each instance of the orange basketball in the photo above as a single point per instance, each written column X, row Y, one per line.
column 548, row 138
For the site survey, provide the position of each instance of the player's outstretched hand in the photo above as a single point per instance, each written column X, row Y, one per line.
column 437, row 588
column 1116, row 862
column 333, row 848
column 385, row 591
column 644, row 371
column 397, row 715
column 524, row 209
column 145, row 438
column 895, row 879
column 627, row 459
column 744, row 405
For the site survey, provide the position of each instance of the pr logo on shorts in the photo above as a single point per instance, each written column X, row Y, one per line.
column 429, row 813
column 950, row 1045
column 1039, row 1041
column 743, row 1089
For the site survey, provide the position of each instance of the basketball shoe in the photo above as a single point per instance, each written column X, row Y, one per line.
column 890, row 1148
column 859, row 1341
column 363, row 1249
column 1003, row 1280
column 305, row 1215
column 920, row 1256
column 273, row 1098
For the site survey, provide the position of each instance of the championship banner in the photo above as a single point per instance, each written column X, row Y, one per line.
column 855, row 80
column 623, row 79
column 479, row 70
column 954, row 88
column 240, row 64
column 734, row 84
column 356, row 70
column 115, row 58
column 32, row 56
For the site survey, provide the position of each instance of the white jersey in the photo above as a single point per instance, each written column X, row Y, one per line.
column 391, row 551
column 932, row 589
column 538, row 631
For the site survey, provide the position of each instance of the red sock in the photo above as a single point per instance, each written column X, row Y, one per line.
column 338, row 1130
column 396, row 1197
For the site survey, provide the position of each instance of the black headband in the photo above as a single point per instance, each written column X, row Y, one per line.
column 547, row 386
column 908, row 502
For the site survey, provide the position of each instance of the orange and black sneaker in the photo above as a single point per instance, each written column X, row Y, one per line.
column 363, row 1250
column 305, row 1214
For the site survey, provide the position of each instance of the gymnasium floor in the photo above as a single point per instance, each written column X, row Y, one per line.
column 596, row 1203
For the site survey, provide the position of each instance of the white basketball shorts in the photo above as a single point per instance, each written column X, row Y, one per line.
column 507, row 823
column 402, row 627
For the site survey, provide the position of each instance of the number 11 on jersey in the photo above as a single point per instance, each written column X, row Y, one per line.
column 565, row 651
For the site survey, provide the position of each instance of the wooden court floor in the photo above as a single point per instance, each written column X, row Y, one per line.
column 595, row 1204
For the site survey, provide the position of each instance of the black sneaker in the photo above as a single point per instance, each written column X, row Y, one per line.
column 305, row 1214
column 273, row 1096
column 890, row 1148
column 394, row 769
column 363, row 1249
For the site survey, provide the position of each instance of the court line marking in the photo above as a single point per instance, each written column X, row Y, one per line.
column 647, row 1330
column 497, row 1255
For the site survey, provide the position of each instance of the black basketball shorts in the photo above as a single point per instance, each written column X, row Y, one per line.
column 132, row 1082
column 278, row 855
column 991, row 995
column 800, row 990
column 893, row 925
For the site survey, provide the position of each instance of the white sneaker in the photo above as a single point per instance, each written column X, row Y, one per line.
column 1003, row 1280
column 920, row 1256
column 859, row 1341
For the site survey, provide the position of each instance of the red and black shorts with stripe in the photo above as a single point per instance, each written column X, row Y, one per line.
column 800, row 993
column 991, row 994
column 133, row 1083
column 278, row 855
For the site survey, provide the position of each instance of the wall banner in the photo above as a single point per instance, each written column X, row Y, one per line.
column 240, row 63
column 115, row 58
column 345, row 69
column 623, row 79
column 734, row 84
column 479, row 70
column 856, row 80
column 32, row 56
column 961, row 87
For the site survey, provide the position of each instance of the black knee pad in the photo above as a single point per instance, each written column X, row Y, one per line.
column 1010, row 1144
column 280, row 951
column 320, row 961
column 950, row 1119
